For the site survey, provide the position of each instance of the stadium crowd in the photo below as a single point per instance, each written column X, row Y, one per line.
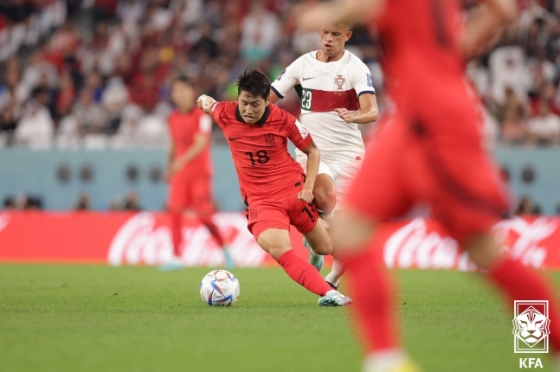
column 96, row 73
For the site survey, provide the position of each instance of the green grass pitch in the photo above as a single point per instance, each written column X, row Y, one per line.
column 96, row 318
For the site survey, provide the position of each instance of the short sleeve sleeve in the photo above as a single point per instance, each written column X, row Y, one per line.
column 217, row 110
column 299, row 135
column 361, row 79
column 287, row 79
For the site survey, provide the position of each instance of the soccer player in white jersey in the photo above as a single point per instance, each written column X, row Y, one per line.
column 337, row 95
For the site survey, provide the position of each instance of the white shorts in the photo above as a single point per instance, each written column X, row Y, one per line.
column 342, row 169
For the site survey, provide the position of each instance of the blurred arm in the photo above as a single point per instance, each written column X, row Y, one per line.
column 484, row 24
column 200, row 141
column 338, row 11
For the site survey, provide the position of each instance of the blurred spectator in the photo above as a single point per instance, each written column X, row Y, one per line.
column 508, row 68
column 513, row 130
column 527, row 207
column 36, row 127
column 26, row 202
column 9, row 203
column 66, row 95
column 131, row 202
column 512, row 102
column 83, row 203
column 144, row 87
column 544, row 129
column 39, row 70
column 205, row 43
column 114, row 99
column 90, row 116
column 260, row 31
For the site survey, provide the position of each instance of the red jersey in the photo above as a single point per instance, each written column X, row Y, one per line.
column 420, row 48
column 183, row 128
column 265, row 169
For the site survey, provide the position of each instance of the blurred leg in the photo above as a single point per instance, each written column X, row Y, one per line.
column 358, row 244
column 517, row 281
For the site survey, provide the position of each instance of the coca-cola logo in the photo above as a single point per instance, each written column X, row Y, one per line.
column 523, row 238
column 419, row 245
column 144, row 239
column 415, row 246
column 4, row 220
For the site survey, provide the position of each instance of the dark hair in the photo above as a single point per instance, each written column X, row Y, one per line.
column 185, row 80
column 254, row 82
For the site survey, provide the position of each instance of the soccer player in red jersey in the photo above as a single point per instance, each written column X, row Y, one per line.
column 273, row 185
column 426, row 150
column 189, row 168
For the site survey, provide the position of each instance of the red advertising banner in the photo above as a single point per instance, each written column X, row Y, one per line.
column 145, row 239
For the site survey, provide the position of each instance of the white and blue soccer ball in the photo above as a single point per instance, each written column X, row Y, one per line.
column 219, row 288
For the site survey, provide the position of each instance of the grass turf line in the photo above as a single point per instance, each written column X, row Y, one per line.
column 96, row 318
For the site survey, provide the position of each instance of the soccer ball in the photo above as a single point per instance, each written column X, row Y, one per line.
column 219, row 288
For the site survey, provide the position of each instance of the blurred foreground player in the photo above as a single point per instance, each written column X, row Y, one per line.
column 189, row 170
column 337, row 95
column 273, row 185
column 427, row 150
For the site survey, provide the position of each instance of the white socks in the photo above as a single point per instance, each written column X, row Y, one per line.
column 384, row 360
column 336, row 273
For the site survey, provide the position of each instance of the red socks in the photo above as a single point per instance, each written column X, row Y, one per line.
column 303, row 273
column 374, row 296
column 523, row 283
column 211, row 226
column 176, row 233
column 176, row 218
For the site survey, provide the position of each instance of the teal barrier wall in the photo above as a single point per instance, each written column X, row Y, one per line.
column 25, row 171
column 35, row 172
column 544, row 189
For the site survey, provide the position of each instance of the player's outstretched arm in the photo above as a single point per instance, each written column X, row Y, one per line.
column 206, row 103
column 313, row 158
column 367, row 113
column 339, row 11
column 484, row 24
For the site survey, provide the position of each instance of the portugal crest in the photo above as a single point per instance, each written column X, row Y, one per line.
column 339, row 81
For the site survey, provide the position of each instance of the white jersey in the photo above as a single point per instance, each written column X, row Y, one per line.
column 324, row 87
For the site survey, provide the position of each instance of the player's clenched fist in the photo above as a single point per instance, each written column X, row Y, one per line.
column 305, row 195
column 347, row 116
column 205, row 102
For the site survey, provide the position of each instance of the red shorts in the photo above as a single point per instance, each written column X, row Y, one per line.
column 439, row 161
column 196, row 193
column 280, row 214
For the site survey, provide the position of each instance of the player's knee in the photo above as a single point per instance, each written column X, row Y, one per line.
column 323, row 248
column 274, row 247
column 277, row 250
column 325, row 198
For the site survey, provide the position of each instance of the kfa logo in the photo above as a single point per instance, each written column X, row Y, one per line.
column 530, row 363
column 531, row 326
column 339, row 81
